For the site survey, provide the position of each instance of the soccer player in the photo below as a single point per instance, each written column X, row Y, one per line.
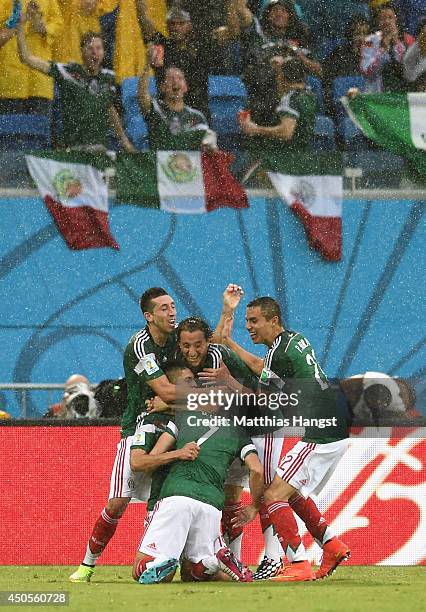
column 148, row 431
column 187, row 518
column 146, row 352
column 268, row 445
column 310, row 463
column 215, row 363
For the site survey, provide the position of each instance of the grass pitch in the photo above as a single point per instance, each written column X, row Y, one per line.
column 352, row 588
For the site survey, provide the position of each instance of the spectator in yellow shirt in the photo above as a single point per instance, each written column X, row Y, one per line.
column 79, row 17
column 8, row 23
column 130, row 51
column 22, row 89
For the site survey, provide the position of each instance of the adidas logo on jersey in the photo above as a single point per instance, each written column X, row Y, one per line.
column 152, row 546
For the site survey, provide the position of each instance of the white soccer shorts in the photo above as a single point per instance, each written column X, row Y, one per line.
column 182, row 526
column 124, row 482
column 269, row 447
column 308, row 466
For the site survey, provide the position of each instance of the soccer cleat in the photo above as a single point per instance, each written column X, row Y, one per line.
column 158, row 572
column 229, row 564
column 333, row 553
column 82, row 574
column 295, row 572
column 267, row 569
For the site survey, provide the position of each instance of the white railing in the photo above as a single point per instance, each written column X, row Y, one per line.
column 23, row 389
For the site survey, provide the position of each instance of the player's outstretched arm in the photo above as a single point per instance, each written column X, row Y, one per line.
column 231, row 298
column 253, row 362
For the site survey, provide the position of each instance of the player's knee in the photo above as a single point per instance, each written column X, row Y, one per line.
column 117, row 506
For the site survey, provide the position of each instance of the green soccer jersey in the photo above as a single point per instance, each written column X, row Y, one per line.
column 148, row 429
column 204, row 478
column 142, row 362
column 218, row 353
column 290, row 366
column 299, row 104
column 173, row 131
column 85, row 101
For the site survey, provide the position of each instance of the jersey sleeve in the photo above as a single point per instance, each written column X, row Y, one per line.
column 172, row 429
column 145, row 437
column 247, row 448
column 145, row 363
column 238, row 369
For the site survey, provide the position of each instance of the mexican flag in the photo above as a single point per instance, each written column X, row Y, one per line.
column 73, row 188
column 187, row 182
column 395, row 121
column 313, row 189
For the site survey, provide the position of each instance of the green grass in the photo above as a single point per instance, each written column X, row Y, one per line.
column 357, row 589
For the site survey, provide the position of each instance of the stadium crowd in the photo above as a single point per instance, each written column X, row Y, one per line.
column 76, row 61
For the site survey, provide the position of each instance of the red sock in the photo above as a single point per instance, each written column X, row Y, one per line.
column 141, row 566
column 102, row 532
column 265, row 520
column 307, row 510
column 282, row 518
column 228, row 513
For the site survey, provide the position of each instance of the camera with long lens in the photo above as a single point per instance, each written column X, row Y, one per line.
column 80, row 402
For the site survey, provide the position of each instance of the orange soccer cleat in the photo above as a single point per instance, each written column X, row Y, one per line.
column 333, row 553
column 295, row 572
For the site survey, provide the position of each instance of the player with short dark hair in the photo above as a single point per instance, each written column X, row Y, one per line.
column 186, row 521
column 146, row 352
column 310, row 463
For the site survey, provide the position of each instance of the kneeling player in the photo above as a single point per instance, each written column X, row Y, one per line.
column 186, row 521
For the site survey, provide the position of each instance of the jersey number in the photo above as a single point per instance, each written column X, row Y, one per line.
column 311, row 361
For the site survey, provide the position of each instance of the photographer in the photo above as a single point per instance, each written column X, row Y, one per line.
column 78, row 401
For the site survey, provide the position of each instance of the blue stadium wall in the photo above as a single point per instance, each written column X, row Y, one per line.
column 64, row 311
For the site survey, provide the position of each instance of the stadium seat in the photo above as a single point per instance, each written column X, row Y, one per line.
column 340, row 88
column 24, row 131
column 353, row 138
column 227, row 95
column 324, row 135
column 137, row 131
column 129, row 96
column 326, row 47
column 316, row 86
